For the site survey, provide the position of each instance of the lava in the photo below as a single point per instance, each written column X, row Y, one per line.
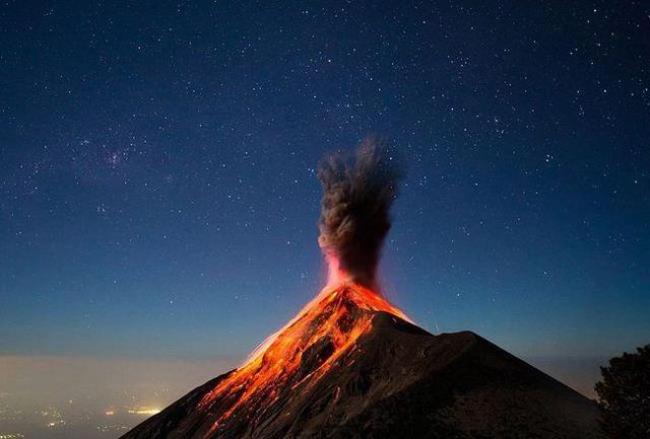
column 300, row 353
column 358, row 191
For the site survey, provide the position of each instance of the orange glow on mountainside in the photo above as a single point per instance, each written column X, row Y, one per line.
column 301, row 352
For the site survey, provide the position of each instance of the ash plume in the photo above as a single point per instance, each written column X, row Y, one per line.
column 358, row 191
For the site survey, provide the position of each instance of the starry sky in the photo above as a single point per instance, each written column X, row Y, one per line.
column 158, row 195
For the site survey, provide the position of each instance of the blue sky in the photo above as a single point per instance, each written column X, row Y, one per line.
column 158, row 195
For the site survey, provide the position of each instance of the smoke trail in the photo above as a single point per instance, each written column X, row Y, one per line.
column 358, row 191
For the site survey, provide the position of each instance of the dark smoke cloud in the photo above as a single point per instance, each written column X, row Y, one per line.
column 358, row 191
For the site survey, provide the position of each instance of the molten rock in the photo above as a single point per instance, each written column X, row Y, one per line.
column 351, row 365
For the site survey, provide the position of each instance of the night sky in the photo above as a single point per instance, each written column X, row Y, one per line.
column 158, row 195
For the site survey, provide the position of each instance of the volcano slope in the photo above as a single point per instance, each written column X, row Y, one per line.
column 350, row 365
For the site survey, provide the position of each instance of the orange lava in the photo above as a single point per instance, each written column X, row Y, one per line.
column 271, row 368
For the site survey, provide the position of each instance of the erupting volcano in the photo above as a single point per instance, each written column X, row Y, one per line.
column 351, row 364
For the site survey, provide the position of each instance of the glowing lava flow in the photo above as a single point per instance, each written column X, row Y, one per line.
column 299, row 354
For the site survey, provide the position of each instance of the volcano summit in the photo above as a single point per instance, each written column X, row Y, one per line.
column 352, row 365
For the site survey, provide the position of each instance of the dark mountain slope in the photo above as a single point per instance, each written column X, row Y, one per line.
column 350, row 367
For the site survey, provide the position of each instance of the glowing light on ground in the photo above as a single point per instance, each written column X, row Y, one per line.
column 144, row 411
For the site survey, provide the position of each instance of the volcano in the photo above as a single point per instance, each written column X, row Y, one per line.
column 351, row 365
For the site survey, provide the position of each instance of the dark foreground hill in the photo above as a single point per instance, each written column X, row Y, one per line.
column 351, row 366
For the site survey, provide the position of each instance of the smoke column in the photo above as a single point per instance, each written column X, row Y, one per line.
column 358, row 191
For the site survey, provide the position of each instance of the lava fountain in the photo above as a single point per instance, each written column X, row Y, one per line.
column 358, row 193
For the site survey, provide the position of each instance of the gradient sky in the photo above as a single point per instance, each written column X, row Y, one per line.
column 158, row 195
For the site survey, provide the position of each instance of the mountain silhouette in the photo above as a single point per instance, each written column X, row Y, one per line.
column 351, row 365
